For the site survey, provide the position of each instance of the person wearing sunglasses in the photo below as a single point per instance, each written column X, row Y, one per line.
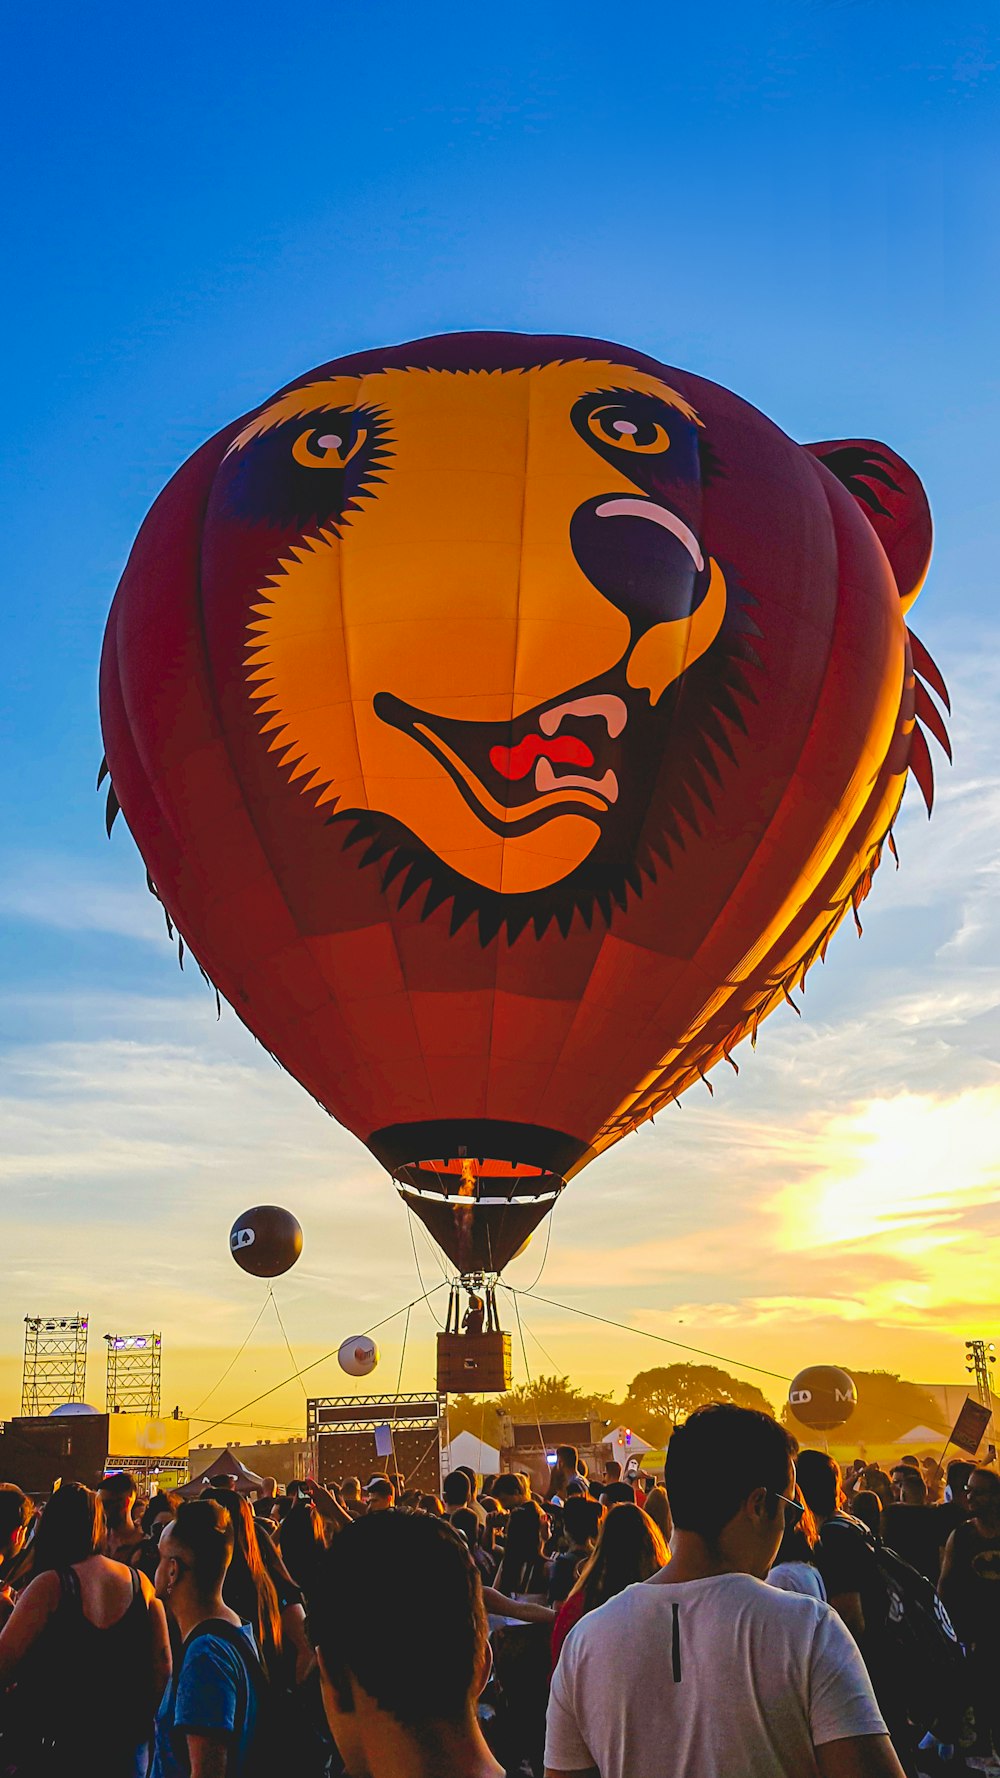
column 703, row 1668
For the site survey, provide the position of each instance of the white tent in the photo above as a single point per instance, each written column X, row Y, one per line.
column 625, row 1444
column 921, row 1436
column 468, row 1450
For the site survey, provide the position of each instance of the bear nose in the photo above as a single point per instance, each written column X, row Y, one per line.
column 641, row 556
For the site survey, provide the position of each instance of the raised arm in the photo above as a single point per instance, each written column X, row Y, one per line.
column 328, row 1507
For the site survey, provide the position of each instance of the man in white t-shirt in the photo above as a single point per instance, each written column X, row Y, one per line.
column 704, row 1671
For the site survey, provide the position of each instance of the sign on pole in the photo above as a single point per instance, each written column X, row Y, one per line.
column 967, row 1432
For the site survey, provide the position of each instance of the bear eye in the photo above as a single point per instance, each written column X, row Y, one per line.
column 629, row 429
column 327, row 448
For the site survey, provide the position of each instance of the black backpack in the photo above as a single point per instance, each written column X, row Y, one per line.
column 926, row 1657
column 264, row 1748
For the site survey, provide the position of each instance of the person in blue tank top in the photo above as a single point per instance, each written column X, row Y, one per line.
column 209, row 1720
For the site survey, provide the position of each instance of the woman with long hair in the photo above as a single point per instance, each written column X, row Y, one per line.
column 866, row 1506
column 87, row 1649
column 302, row 1538
column 630, row 1548
column 520, row 1647
column 657, row 1507
column 248, row 1588
column 794, row 1568
column 523, row 1573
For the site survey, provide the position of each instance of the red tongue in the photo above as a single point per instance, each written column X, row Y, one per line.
column 563, row 750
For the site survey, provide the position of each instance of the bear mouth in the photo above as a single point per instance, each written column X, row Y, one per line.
column 563, row 757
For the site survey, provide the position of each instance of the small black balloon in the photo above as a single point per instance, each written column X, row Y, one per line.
column 265, row 1241
column 822, row 1397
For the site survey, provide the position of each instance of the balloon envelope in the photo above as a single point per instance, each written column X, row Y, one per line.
column 265, row 1241
column 822, row 1397
column 358, row 1356
column 506, row 724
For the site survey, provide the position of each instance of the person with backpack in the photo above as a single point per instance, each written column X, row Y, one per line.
column 211, row 1721
column 906, row 1639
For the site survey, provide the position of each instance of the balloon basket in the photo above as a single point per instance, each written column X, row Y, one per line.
column 473, row 1364
column 473, row 1353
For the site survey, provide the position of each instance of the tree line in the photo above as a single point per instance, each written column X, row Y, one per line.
column 657, row 1400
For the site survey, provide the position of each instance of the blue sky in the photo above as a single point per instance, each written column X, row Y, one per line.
column 796, row 200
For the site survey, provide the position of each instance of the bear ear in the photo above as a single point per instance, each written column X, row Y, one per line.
column 892, row 498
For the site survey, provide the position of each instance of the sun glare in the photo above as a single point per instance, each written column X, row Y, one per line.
column 903, row 1169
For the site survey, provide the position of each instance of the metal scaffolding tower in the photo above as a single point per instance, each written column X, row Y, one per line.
column 979, row 1355
column 55, row 1362
column 133, row 1374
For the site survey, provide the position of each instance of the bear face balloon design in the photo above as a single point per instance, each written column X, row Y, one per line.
column 506, row 724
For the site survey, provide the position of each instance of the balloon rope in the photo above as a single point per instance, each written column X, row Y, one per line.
column 546, row 1354
column 399, row 1384
column 527, row 1370
column 288, row 1344
column 194, row 1413
column 416, row 1262
column 545, row 1257
column 230, row 1419
column 719, row 1357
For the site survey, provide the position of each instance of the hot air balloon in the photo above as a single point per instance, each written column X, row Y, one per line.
column 822, row 1397
column 358, row 1356
column 265, row 1241
column 507, row 723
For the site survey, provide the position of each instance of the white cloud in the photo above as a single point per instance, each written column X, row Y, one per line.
column 73, row 894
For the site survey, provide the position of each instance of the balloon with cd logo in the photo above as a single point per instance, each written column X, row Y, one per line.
column 265, row 1241
column 507, row 724
column 822, row 1397
column 358, row 1356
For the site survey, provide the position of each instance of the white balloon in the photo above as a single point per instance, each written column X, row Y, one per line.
column 358, row 1356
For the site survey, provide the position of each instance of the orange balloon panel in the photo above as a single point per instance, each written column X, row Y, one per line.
column 506, row 724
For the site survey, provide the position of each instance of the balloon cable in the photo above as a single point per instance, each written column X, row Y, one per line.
column 545, row 1257
column 399, row 1385
column 230, row 1419
column 416, row 1262
column 527, row 1368
column 194, row 1412
column 288, row 1343
column 663, row 1339
column 546, row 1354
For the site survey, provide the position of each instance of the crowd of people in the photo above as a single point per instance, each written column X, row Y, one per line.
column 753, row 1613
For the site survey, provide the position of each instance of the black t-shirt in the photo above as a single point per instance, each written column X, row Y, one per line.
column 844, row 1556
column 563, row 1573
column 846, row 1560
column 973, row 1591
column 951, row 1513
column 917, row 1534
